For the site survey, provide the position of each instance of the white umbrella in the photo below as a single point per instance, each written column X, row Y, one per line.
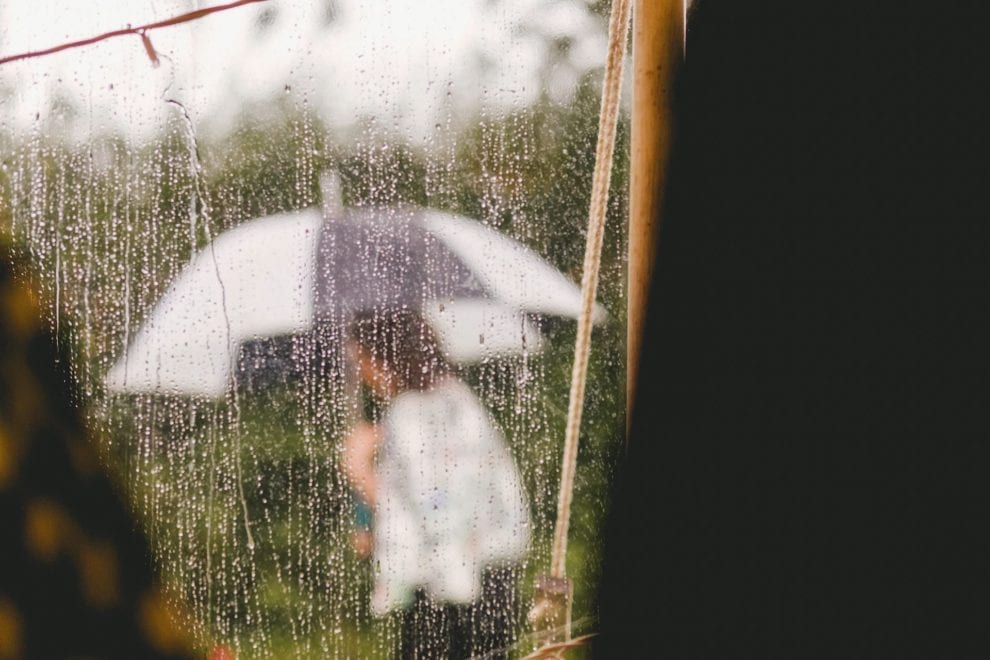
column 252, row 281
column 259, row 280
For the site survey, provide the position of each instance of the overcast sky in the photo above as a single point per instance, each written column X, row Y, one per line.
column 410, row 63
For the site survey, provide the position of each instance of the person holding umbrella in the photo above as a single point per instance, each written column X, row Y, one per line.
column 450, row 515
column 434, row 475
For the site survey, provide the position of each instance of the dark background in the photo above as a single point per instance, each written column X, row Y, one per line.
column 808, row 464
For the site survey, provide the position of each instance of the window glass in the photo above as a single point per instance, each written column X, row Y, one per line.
column 316, row 267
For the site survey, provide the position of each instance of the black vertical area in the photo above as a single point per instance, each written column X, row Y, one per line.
column 808, row 466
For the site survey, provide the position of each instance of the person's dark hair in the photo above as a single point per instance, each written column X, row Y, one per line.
column 404, row 344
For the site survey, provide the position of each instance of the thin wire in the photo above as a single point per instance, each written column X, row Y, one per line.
column 607, row 121
column 140, row 30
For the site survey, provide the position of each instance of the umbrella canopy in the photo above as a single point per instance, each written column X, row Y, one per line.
column 282, row 274
column 255, row 280
column 386, row 259
column 407, row 256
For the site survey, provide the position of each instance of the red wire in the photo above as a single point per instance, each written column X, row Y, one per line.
column 140, row 30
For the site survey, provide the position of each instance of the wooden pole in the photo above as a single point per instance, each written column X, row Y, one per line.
column 657, row 43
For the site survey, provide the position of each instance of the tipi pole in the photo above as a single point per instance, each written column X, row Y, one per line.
column 657, row 49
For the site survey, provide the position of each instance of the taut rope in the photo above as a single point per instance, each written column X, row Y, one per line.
column 607, row 121
column 551, row 611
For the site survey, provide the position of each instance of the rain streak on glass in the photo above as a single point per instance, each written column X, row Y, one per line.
column 316, row 272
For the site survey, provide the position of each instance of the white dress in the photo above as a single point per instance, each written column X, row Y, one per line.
column 450, row 499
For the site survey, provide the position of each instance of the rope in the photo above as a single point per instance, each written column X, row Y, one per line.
column 607, row 121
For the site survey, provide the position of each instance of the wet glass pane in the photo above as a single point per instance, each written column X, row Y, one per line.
column 316, row 265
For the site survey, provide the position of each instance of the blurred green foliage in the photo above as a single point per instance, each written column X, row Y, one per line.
column 110, row 223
